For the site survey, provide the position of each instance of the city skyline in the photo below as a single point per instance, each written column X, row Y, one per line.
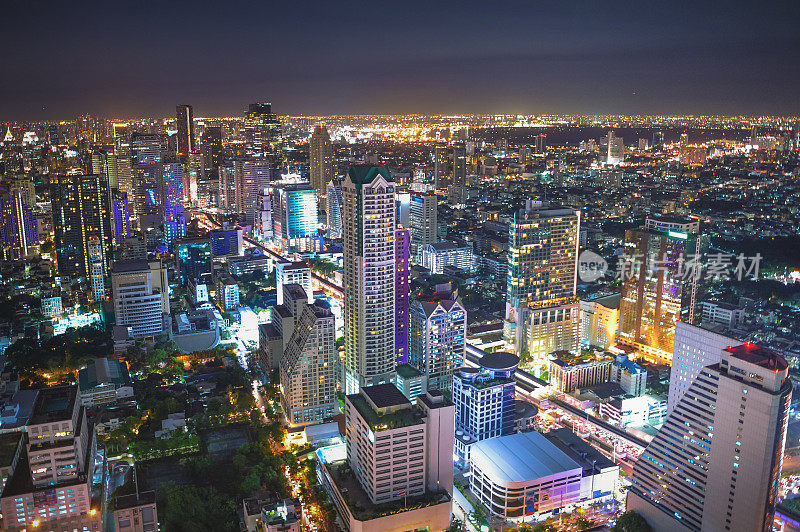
column 445, row 58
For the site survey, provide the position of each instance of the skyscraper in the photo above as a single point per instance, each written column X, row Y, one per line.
column 541, row 315
column 141, row 296
column 321, row 162
column 184, row 120
column 18, row 232
column 308, row 365
column 438, row 336
column 333, row 199
column 660, row 285
column 251, row 175
column 402, row 292
column 195, row 260
column 369, row 276
column 81, row 211
column 716, row 462
column 616, row 149
column 294, row 216
column 441, row 168
column 262, row 130
column 119, row 207
column 540, row 145
column 459, row 165
column 171, row 196
column 97, row 267
column 424, row 223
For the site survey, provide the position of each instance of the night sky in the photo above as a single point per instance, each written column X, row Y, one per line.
column 121, row 59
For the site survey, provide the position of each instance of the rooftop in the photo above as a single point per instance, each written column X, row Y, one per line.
column 54, row 404
column 125, row 266
column 407, row 371
column 499, row 361
column 366, row 173
column 760, row 356
column 578, row 449
column 387, row 421
column 135, row 499
column 385, row 395
column 521, row 457
column 103, row 371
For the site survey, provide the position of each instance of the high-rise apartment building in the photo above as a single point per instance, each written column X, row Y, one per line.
column 298, row 273
column 184, row 120
column 402, row 300
column 616, row 149
column 662, row 279
column 716, row 463
column 97, row 270
column 308, row 364
column 141, row 296
column 424, row 223
column 438, row 336
column 369, row 276
column 459, row 165
column 321, row 162
column 541, row 314
column 441, row 168
column 484, row 400
column 599, row 321
column 51, row 486
column 81, row 211
column 333, row 199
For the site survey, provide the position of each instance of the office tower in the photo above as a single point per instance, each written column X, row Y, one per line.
column 147, row 148
column 660, row 285
column 402, row 282
column 195, row 260
column 184, row 120
column 51, row 486
column 171, row 197
column 716, row 462
column 484, row 401
column 599, row 321
column 540, row 145
column 227, row 241
column 81, row 211
column 298, row 273
column 105, row 163
column 438, row 336
column 369, row 276
column 321, row 161
column 119, row 207
column 146, row 152
column 658, row 139
column 141, row 296
column 424, row 223
column 437, row 257
column 459, row 165
column 132, row 248
column 211, row 147
column 695, row 348
column 616, row 149
column 308, row 365
column 97, row 270
column 403, row 201
column 541, row 316
column 643, row 144
column 424, row 441
column 18, row 232
column 294, row 216
column 262, row 129
column 333, row 199
column 441, row 170
column 251, row 175
column 125, row 172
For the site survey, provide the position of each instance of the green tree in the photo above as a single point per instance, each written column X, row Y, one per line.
column 631, row 521
column 192, row 508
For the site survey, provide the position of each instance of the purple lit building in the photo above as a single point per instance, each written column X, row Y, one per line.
column 402, row 290
column 17, row 226
column 119, row 205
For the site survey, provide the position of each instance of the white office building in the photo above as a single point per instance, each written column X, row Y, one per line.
column 287, row 272
column 436, row 257
column 141, row 296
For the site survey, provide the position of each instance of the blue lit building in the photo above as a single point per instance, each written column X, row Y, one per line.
column 194, row 260
column 119, row 207
column 484, row 400
column 227, row 241
column 294, row 216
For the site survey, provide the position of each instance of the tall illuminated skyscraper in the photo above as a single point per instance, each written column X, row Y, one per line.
column 402, row 291
column 184, row 119
column 98, row 270
column 661, row 287
column 18, row 232
column 369, row 277
column 441, row 168
column 294, row 216
column 321, row 161
column 119, row 207
column 424, row 223
column 262, row 130
column 171, row 197
column 333, row 198
column 716, row 463
column 541, row 313
column 616, row 149
column 459, row 165
column 81, row 211
column 251, row 176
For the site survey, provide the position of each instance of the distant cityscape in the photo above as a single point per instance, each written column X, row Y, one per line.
column 271, row 323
